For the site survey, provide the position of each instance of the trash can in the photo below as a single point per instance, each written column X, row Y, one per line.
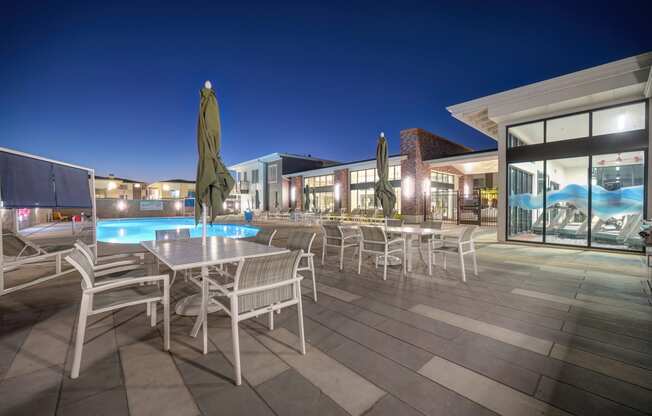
column 249, row 216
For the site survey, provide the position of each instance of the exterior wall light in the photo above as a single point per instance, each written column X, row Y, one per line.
column 177, row 205
column 136, row 185
column 293, row 194
column 122, row 205
column 408, row 189
column 111, row 185
column 337, row 192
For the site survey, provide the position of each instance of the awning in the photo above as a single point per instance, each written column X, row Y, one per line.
column 27, row 182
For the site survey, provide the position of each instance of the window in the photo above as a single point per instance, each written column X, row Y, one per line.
column 525, row 201
column 254, row 176
column 566, row 128
column 616, row 220
column 619, row 119
column 271, row 174
column 567, row 219
column 525, row 134
column 319, row 181
column 244, row 176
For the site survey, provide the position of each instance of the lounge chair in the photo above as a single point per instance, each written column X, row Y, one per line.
column 631, row 223
column 566, row 217
column 15, row 247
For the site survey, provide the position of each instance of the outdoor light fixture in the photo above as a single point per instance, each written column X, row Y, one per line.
column 121, row 205
column 137, row 185
column 177, row 205
column 293, row 194
column 224, row 205
column 111, row 186
column 337, row 192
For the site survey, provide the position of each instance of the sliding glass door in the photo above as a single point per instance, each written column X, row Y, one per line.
column 617, row 181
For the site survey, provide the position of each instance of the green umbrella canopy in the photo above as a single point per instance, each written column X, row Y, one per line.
column 383, row 191
column 306, row 198
column 214, row 183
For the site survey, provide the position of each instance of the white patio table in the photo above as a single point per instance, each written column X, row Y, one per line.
column 409, row 232
column 191, row 253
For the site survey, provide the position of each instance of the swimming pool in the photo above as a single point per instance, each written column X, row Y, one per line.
column 135, row 230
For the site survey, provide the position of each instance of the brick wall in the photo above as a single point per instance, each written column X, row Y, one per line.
column 420, row 145
column 297, row 183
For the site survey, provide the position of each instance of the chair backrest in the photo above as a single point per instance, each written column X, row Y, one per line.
column 301, row 240
column 86, row 250
column 331, row 230
column 80, row 262
column 373, row 233
column 174, row 234
column 267, row 270
column 265, row 237
column 466, row 234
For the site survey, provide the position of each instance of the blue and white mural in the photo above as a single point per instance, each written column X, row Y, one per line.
column 605, row 204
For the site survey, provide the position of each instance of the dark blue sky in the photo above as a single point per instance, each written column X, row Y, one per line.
column 115, row 86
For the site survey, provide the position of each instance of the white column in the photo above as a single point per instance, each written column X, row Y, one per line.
column 503, row 192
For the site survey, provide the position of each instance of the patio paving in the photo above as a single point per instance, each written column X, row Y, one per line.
column 541, row 331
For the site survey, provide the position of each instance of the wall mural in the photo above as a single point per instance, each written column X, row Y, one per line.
column 605, row 204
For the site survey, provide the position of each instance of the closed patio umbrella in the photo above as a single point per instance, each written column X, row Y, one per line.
column 306, row 198
column 383, row 191
column 214, row 183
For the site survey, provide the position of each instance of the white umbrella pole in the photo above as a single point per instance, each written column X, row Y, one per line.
column 203, row 225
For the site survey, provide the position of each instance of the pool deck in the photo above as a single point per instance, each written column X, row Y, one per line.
column 540, row 331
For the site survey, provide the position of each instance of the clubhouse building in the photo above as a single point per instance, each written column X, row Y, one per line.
column 571, row 166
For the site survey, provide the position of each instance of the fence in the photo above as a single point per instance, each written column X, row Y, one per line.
column 478, row 207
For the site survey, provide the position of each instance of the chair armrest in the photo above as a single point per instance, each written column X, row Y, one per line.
column 250, row 290
column 117, row 283
column 104, row 266
column 396, row 240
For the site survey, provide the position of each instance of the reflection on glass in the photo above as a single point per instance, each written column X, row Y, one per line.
column 617, row 184
column 566, row 128
column 525, row 202
column 619, row 119
column 567, row 201
column 525, row 134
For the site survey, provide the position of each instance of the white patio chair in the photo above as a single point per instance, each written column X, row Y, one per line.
column 106, row 265
column 261, row 285
column 265, row 237
column 375, row 242
column 463, row 246
column 334, row 235
column 302, row 240
column 110, row 294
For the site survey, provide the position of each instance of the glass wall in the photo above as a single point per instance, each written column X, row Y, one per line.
column 525, row 134
column 593, row 199
column 567, row 201
column 317, row 181
column 362, row 188
column 322, row 201
column 619, row 119
column 525, row 201
column 617, row 182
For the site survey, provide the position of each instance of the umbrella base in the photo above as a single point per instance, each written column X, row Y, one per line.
column 391, row 261
column 191, row 306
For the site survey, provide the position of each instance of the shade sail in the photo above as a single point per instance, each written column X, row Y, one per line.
column 32, row 183
column 71, row 187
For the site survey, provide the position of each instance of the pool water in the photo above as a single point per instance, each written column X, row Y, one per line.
column 135, row 230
